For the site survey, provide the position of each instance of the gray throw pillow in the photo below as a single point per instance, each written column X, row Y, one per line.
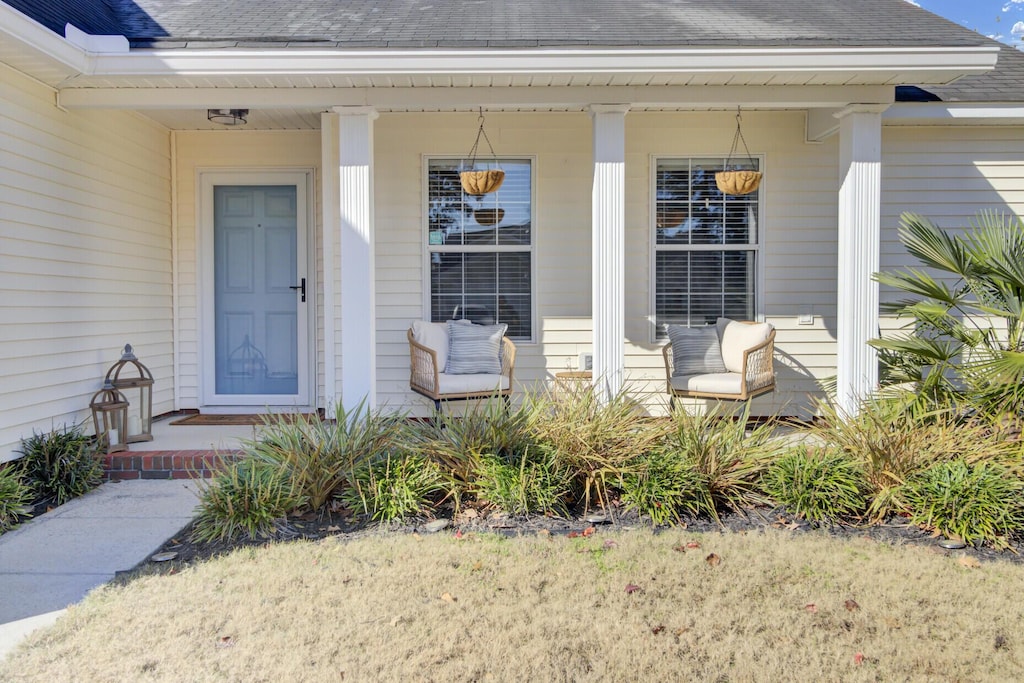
column 474, row 349
column 695, row 350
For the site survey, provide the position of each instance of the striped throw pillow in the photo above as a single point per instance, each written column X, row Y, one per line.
column 695, row 350
column 474, row 349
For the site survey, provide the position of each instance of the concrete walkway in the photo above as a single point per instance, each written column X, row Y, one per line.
column 55, row 559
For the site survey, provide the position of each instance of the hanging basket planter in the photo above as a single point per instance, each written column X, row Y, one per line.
column 479, row 183
column 738, row 182
column 489, row 216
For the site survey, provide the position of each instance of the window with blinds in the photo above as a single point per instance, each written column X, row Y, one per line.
column 481, row 248
column 706, row 245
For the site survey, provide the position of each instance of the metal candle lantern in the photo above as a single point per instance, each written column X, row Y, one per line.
column 137, row 382
column 110, row 418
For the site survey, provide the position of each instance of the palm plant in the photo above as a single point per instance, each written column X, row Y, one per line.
column 967, row 336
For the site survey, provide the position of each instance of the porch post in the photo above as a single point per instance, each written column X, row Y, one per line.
column 860, row 162
column 608, row 246
column 356, row 294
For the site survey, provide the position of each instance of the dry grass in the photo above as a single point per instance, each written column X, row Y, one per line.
column 437, row 608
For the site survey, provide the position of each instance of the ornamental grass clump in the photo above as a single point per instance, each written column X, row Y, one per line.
column 975, row 503
column 393, row 486
column 817, row 484
column 663, row 485
column 15, row 496
column 594, row 439
column 728, row 456
column 60, row 464
column 245, row 498
column 533, row 482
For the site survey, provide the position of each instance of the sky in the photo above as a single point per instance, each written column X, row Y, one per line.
column 1002, row 20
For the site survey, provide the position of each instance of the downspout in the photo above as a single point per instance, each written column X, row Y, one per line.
column 175, row 276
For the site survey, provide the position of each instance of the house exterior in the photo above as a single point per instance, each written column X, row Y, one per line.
column 280, row 262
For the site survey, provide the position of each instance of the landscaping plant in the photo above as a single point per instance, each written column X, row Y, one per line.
column 664, row 484
column 966, row 336
column 60, row 464
column 392, row 486
column 817, row 484
column 15, row 496
column 728, row 456
column 979, row 502
column 245, row 498
column 594, row 439
column 533, row 482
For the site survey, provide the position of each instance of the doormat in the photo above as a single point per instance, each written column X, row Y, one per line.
column 229, row 420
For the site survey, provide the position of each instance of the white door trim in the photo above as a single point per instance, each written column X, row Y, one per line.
column 206, row 180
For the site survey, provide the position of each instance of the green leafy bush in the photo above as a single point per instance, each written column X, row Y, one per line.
column 818, row 484
column 532, row 483
column 595, row 440
column 728, row 456
column 978, row 502
column 318, row 456
column 15, row 496
column 61, row 464
column 392, row 486
column 663, row 485
column 245, row 498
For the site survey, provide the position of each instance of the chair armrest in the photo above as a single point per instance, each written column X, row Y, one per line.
column 666, row 352
column 758, row 366
column 424, row 366
column 508, row 358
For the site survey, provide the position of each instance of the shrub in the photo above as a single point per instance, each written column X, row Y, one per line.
column 15, row 496
column 392, row 486
column 595, row 440
column 663, row 485
column 729, row 458
column 246, row 497
column 457, row 442
column 971, row 502
column 818, row 484
column 533, row 482
column 895, row 437
column 60, row 465
column 317, row 455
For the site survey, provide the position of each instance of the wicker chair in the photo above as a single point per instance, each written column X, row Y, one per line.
column 753, row 374
column 428, row 359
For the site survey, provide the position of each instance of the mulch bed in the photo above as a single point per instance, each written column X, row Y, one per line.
column 315, row 526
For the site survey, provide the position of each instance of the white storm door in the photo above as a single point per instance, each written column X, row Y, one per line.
column 257, row 333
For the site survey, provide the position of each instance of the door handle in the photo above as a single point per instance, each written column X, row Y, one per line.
column 301, row 287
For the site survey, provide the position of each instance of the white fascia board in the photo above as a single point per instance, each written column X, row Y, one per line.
column 38, row 40
column 926, row 65
column 683, row 97
column 955, row 113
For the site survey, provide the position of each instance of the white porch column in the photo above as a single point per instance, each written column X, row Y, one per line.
column 356, row 294
column 608, row 247
column 860, row 162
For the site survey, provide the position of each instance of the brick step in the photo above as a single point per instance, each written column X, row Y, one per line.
column 164, row 464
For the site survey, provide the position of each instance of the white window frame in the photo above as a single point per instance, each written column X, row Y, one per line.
column 756, row 247
column 429, row 249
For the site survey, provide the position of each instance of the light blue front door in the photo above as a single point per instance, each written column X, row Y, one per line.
column 258, row 292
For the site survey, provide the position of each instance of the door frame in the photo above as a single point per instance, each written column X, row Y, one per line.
column 206, row 180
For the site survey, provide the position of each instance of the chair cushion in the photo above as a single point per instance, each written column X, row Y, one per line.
column 435, row 337
column 474, row 349
column 737, row 337
column 695, row 350
column 470, row 384
column 717, row 383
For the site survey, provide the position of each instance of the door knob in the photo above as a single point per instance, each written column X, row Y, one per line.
column 301, row 287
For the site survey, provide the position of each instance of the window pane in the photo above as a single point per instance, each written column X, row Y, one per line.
column 695, row 288
column 484, row 286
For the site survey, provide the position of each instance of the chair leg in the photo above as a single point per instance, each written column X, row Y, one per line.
column 671, row 403
column 507, row 400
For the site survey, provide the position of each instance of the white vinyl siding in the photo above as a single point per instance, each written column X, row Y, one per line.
column 85, row 257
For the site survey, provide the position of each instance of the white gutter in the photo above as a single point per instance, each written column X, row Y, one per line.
column 40, row 40
column 938, row 61
column 953, row 113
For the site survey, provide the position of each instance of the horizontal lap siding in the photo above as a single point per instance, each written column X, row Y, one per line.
column 85, row 257
column 234, row 150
